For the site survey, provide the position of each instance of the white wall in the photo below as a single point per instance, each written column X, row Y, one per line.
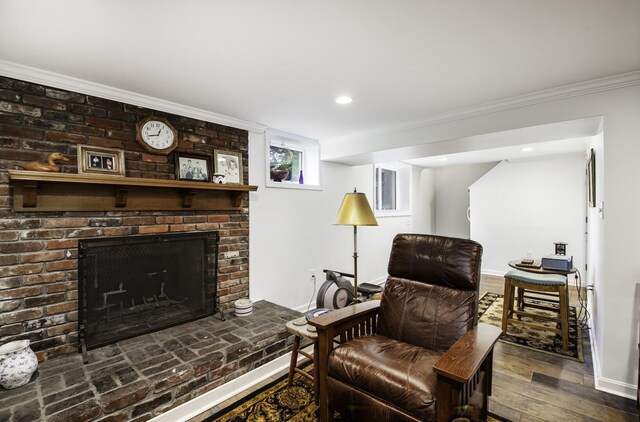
column 424, row 203
column 283, row 245
column 616, row 366
column 292, row 231
column 522, row 206
column 452, row 197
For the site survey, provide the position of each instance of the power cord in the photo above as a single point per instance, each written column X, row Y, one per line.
column 313, row 277
column 583, row 314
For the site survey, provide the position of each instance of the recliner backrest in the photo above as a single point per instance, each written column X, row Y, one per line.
column 431, row 296
column 444, row 261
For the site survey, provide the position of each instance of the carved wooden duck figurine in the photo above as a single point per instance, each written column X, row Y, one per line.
column 50, row 165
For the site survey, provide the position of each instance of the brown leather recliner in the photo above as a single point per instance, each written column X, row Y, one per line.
column 417, row 354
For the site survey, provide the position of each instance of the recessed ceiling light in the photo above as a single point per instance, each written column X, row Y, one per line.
column 343, row 99
column 442, row 159
column 527, row 149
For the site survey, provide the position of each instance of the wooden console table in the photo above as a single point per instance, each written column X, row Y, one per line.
column 41, row 191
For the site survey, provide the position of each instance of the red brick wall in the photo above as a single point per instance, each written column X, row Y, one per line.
column 38, row 251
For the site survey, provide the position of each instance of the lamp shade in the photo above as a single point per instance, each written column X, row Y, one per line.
column 355, row 211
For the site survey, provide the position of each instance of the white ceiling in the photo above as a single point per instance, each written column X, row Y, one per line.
column 281, row 63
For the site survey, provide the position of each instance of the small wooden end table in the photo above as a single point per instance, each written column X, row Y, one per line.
column 300, row 329
column 514, row 264
column 547, row 296
column 539, row 270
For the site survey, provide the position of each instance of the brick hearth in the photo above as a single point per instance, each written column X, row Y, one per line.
column 139, row 378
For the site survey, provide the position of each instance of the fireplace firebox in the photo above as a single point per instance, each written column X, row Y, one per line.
column 139, row 284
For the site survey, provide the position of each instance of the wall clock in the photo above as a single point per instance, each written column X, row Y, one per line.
column 156, row 135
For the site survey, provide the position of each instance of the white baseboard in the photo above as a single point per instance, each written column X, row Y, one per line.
column 496, row 273
column 607, row 385
column 212, row 398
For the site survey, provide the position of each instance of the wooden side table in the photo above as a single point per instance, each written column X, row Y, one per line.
column 300, row 329
column 548, row 296
column 514, row 264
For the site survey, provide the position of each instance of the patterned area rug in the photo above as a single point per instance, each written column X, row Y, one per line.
column 275, row 402
column 490, row 312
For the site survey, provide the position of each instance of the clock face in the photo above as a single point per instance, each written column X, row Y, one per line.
column 157, row 134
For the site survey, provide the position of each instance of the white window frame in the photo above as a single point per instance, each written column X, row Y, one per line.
column 310, row 159
column 403, row 190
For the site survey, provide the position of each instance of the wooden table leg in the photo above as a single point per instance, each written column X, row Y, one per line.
column 316, row 373
column 520, row 301
column 507, row 303
column 294, row 359
column 564, row 317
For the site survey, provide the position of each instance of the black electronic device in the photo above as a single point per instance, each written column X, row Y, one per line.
column 557, row 263
column 368, row 289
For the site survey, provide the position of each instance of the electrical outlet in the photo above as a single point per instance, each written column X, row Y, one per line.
column 312, row 273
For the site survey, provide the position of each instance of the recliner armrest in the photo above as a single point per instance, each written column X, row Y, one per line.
column 346, row 323
column 464, row 357
column 346, row 314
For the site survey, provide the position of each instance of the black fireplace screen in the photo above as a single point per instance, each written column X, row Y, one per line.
column 139, row 284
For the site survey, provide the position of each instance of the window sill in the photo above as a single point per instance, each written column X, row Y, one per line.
column 397, row 214
column 280, row 185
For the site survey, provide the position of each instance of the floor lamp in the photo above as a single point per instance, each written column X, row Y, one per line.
column 355, row 211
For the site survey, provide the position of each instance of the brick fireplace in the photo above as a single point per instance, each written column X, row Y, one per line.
column 140, row 377
column 39, row 250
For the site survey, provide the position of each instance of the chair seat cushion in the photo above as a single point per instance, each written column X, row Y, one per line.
column 538, row 279
column 398, row 373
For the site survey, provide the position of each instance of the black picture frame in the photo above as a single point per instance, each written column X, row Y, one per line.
column 193, row 167
column 591, row 179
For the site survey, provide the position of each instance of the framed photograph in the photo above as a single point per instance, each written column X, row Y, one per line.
column 591, row 178
column 230, row 164
column 100, row 160
column 193, row 167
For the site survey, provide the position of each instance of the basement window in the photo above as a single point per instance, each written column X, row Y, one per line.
column 392, row 189
column 285, row 164
column 293, row 162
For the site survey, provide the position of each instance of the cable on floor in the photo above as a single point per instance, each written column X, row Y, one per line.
column 583, row 313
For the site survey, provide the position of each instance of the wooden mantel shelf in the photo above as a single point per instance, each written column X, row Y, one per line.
column 42, row 191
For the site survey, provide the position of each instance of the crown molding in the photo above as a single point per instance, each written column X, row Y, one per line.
column 56, row 80
column 554, row 94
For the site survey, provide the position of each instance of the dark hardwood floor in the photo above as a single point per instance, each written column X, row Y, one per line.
column 532, row 386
